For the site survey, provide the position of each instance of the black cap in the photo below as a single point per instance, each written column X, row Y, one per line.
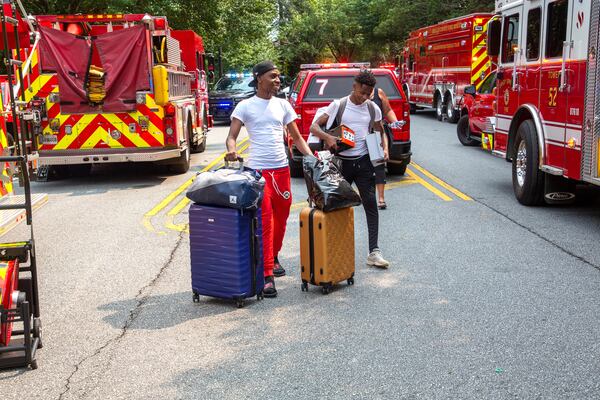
column 262, row 68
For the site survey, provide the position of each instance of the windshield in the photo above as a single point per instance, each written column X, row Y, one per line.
column 327, row 88
column 234, row 84
column 488, row 84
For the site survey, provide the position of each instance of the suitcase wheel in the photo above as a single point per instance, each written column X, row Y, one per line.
column 326, row 289
column 196, row 298
column 350, row 281
column 260, row 296
column 240, row 303
column 304, row 287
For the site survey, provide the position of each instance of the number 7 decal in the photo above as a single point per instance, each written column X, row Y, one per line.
column 323, row 83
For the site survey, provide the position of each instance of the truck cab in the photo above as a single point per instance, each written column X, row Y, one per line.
column 317, row 85
column 477, row 110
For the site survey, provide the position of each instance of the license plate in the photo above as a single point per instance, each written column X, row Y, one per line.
column 49, row 139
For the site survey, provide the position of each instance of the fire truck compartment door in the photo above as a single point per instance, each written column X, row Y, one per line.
column 124, row 58
column 69, row 56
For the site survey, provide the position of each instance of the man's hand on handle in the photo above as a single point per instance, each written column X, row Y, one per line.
column 231, row 156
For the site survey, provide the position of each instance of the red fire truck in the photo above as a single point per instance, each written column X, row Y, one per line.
column 115, row 88
column 439, row 61
column 548, row 106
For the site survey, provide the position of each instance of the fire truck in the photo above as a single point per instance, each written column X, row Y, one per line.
column 548, row 106
column 114, row 88
column 439, row 61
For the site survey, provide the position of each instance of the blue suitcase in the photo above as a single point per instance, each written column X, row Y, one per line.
column 226, row 253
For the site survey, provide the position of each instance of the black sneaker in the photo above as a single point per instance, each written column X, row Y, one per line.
column 269, row 289
column 278, row 270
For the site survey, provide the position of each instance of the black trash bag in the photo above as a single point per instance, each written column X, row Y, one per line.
column 327, row 189
column 241, row 188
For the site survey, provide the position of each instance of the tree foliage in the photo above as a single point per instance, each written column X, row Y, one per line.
column 288, row 31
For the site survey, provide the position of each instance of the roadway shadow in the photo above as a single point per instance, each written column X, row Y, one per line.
column 103, row 178
column 166, row 311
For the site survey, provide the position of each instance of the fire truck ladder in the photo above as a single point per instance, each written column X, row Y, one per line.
column 21, row 350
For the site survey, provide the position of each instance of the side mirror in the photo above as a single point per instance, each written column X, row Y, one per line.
column 471, row 89
column 493, row 39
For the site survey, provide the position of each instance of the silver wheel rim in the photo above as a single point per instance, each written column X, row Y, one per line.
column 439, row 107
column 521, row 163
column 450, row 112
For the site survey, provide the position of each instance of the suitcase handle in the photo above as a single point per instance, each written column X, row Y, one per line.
column 239, row 160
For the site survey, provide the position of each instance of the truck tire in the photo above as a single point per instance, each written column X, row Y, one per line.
column 182, row 165
column 296, row 170
column 398, row 169
column 463, row 131
column 199, row 148
column 451, row 114
column 439, row 108
column 528, row 180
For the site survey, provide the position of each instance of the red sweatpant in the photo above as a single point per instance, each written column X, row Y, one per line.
column 276, row 205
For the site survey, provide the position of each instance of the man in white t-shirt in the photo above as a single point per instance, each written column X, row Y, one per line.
column 265, row 117
column 356, row 163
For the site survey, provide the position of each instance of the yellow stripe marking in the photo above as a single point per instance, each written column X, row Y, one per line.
column 440, row 182
column 427, row 185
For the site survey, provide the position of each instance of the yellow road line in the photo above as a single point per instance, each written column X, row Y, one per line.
column 184, row 186
column 428, row 186
column 440, row 182
column 403, row 182
column 391, row 185
column 170, row 224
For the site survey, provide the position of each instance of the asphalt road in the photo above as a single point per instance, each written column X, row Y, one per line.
column 484, row 299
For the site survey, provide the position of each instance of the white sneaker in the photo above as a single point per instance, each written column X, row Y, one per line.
column 376, row 259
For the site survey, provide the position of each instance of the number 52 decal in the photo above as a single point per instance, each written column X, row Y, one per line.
column 323, row 83
column 552, row 92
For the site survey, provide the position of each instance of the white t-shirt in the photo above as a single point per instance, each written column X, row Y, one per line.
column 264, row 120
column 312, row 138
column 357, row 118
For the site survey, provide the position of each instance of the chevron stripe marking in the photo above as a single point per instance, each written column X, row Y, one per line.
column 154, row 119
column 145, row 135
column 75, row 140
column 480, row 66
column 118, row 124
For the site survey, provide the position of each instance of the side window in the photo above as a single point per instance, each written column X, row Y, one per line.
column 488, row 84
column 411, row 62
column 510, row 38
column 556, row 28
column 534, row 34
column 422, row 51
column 297, row 84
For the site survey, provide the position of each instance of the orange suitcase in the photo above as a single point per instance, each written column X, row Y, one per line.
column 326, row 247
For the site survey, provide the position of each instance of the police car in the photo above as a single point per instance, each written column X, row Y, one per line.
column 227, row 93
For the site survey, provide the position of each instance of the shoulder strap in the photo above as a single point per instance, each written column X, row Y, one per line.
column 376, row 98
column 340, row 111
column 371, row 108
